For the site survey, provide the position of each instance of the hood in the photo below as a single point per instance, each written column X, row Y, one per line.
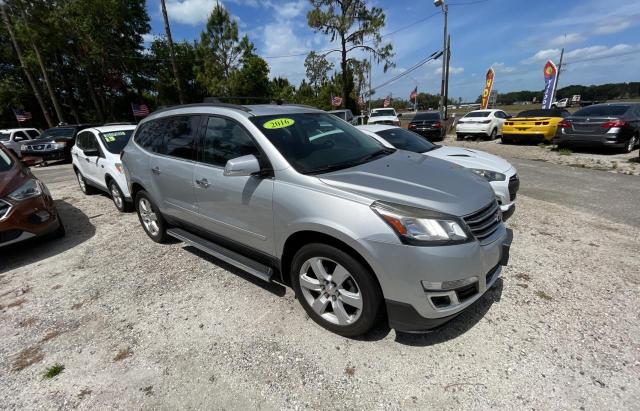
column 416, row 180
column 12, row 179
column 471, row 158
column 382, row 118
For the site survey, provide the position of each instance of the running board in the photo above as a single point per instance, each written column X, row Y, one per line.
column 252, row 267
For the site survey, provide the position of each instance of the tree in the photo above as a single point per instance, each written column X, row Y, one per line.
column 251, row 80
column 221, row 51
column 162, row 76
column 356, row 27
column 317, row 69
column 281, row 89
column 172, row 53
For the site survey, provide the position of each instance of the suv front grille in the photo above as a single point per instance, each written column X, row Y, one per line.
column 4, row 209
column 514, row 186
column 484, row 222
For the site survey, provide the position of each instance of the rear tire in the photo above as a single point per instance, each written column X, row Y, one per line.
column 506, row 140
column 336, row 290
column 459, row 137
column 118, row 198
column 150, row 218
column 493, row 135
column 84, row 186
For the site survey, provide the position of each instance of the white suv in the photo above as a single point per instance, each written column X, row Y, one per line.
column 12, row 138
column 96, row 162
column 384, row 116
column 483, row 123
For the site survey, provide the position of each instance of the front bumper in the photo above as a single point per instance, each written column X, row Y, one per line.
column 402, row 269
column 33, row 217
column 48, row 155
column 507, row 190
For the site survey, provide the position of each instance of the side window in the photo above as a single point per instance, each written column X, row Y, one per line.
column 150, row 136
column 224, row 140
column 19, row 136
column 80, row 141
column 33, row 133
column 181, row 136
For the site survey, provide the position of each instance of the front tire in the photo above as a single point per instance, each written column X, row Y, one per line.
column 631, row 145
column 152, row 221
column 335, row 289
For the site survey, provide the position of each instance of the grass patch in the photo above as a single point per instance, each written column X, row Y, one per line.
column 565, row 152
column 54, row 370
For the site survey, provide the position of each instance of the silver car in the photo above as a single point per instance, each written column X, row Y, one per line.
column 295, row 195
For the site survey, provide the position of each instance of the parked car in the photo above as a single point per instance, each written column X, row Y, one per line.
column 614, row 125
column 430, row 125
column 481, row 123
column 54, row 143
column 26, row 207
column 345, row 114
column 96, row 162
column 502, row 176
column 12, row 138
column 293, row 194
column 384, row 116
column 533, row 125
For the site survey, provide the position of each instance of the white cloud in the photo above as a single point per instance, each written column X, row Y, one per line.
column 565, row 39
column 502, row 68
column 148, row 38
column 585, row 53
column 452, row 70
column 611, row 27
column 289, row 10
column 191, row 12
column 543, row 55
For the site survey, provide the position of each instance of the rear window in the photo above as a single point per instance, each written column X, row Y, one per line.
column 4, row 136
column 602, row 111
column 477, row 114
column 115, row 141
column 5, row 161
column 427, row 116
column 340, row 114
column 543, row 113
column 380, row 113
column 59, row 132
column 406, row 140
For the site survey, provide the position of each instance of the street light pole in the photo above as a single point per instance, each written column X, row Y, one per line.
column 445, row 53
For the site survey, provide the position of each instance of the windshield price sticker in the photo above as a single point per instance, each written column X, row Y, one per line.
column 111, row 137
column 278, row 123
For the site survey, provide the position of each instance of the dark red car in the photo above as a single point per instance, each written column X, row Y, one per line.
column 26, row 207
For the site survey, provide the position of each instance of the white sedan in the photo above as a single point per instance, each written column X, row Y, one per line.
column 96, row 162
column 500, row 173
column 483, row 123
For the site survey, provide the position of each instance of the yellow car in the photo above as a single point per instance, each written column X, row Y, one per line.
column 533, row 125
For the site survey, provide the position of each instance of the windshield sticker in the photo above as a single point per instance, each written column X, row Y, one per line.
column 111, row 137
column 278, row 123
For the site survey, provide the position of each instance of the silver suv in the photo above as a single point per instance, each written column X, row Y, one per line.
column 295, row 195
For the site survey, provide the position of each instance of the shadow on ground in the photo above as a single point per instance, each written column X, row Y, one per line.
column 77, row 225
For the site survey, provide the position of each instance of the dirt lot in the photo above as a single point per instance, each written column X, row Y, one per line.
column 141, row 325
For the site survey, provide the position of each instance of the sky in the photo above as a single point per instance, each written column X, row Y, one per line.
column 516, row 37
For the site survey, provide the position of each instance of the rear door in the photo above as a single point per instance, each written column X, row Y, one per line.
column 237, row 208
column 172, row 166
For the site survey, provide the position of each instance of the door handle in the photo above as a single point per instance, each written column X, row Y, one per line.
column 204, row 183
column 155, row 170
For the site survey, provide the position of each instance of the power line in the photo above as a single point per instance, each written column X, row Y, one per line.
column 419, row 64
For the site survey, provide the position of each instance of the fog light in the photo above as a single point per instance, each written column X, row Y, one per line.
column 447, row 285
column 39, row 217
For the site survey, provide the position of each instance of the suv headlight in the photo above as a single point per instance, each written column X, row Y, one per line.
column 489, row 175
column 417, row 226
column 56, row 145
column 31, row 188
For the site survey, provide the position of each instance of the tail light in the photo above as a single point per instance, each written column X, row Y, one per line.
column 541, row 123
column 614, row 123
column 508, row 123
column 564, row 124
column 485, row 122
column 436, row 125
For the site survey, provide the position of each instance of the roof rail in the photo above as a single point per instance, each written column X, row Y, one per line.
column 206, row 104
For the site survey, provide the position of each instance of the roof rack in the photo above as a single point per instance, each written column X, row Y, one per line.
column 205, row 104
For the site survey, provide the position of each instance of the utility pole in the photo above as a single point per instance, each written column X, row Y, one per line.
column 445, row 10
column 27, row 73
column 172, row 52
column 446, row 79
column 555, row 86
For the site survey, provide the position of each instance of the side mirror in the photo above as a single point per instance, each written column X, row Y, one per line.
column 16, row 138
column 91, row 152
column 242, row 166
column 399, row 115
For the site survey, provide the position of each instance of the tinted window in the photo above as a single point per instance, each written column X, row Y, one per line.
column 5, row 161
column 81, row 140
column 543, row 113
column 224, row 140
column 150, row 135
column 477, row 114
column 89, row 141
column 5, row 136
column 340, row 114
column 59, row 132
column 180, row 140
column 317, row 142
column 427, row 116
column 20, row 135
column 115, row 141
column 602, row 111
column 385, row 112
column 33, row 133
column 406, row 140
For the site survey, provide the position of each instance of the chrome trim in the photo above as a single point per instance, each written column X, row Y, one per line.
column 7, row 211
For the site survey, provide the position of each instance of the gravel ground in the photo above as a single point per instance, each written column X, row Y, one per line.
column 141, row 325
column 593, row 158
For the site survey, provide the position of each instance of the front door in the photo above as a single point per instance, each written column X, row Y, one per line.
column 237, row 208
column 88, row 165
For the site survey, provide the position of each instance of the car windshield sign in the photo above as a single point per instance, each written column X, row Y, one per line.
column 380, row 113
column 317, row 142
column 116, row 140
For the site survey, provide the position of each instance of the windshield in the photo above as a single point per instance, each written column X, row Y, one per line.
column 602, row 111
column 4, row 136
column 427, row 116
column 542, row 113
column 115, row 141
column 380, row 113
column 58, row 133
column 5, row 161
column 478, row 114
column 406, row 140
column 317, row 142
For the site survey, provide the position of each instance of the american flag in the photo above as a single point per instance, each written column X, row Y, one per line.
column 414, row 94
column 22, row 115
column 140, row 110
column 387, row 101
column 336, row 101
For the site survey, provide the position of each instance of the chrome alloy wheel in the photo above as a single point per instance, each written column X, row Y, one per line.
column 82, row 183
column 116, row 196
column 331, row 291
column 148, row 216
column 631, row 144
